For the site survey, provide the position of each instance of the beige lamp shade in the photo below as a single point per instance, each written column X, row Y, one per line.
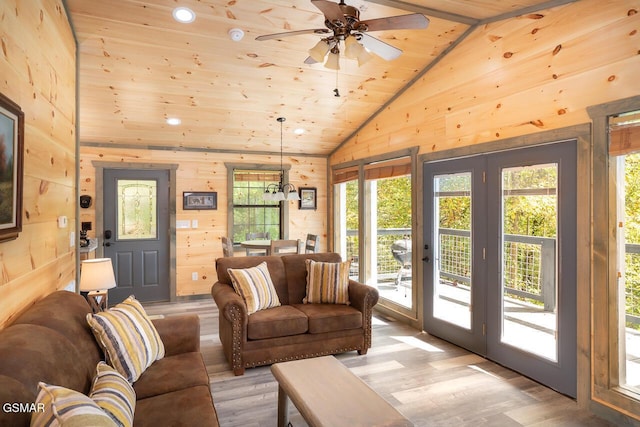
column 96, row 275
column 333, row 60
column 319, row 51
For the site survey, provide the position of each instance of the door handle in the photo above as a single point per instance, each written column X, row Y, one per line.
column 107, row 236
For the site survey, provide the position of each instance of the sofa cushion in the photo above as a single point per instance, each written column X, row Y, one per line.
column 63, row 406
column 128, row 337
column 254, row 285
column 274, row 264
column 188, row 407
column 113, row 393
column 296, row 271
column 330, row 317
column 327, row 282
column 276, row 322
column 172, row 373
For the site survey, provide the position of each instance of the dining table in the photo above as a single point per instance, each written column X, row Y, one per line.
column 262, row 244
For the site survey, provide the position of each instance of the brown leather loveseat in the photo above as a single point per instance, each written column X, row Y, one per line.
column 293, row 330
column 52, row 342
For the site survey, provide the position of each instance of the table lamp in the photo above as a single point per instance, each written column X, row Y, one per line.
column 96, row 278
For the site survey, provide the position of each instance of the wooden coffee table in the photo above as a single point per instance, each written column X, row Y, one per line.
column 327, row 394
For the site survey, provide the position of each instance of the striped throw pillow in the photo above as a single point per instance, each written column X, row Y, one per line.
column 254, row 285
column 113, row 393
column 62, row 406
column 127, row 337
column 327, row 282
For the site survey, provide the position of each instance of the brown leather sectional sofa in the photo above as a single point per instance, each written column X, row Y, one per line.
column 294, row 330
column 52, row 342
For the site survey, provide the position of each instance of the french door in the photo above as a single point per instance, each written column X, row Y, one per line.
column 500, row 258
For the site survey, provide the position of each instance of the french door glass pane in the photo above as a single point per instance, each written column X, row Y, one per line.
column 529, row 290
column 137, row 212
column 452, row 217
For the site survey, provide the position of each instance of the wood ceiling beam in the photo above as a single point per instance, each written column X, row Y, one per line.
column 436, row 13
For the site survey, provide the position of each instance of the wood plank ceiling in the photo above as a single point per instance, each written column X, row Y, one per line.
column 138, row 66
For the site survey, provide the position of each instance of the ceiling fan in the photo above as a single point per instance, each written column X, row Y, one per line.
column 344, row 25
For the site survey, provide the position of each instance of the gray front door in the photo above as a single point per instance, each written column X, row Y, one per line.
column 136, row 232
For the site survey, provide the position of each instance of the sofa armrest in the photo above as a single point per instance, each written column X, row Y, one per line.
column 179, row 334
column 229, row 302
column 232, row 324
column 362, row 297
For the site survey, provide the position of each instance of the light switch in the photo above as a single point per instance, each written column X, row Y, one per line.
column 62, row 221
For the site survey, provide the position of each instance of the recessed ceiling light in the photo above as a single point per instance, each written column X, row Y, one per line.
column 173, row 121
column 299, row 131
column 184, row 15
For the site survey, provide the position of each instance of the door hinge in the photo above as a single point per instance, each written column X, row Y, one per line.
column 484, row 329
column 484, row 177
column 484, row 253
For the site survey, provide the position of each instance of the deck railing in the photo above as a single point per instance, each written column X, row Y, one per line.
column 529, row 268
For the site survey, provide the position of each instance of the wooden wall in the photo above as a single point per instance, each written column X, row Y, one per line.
column 197, row 249
column 514, row 77
column 38, row 72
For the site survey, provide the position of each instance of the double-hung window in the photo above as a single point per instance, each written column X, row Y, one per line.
column 251, row 213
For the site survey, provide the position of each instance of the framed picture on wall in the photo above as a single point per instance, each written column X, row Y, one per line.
column 308, row 198
column 11, row 159
column 201, row 200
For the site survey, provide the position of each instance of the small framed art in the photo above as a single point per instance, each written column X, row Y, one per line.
column 308, row 198
column 11, row 158
column 202, row 200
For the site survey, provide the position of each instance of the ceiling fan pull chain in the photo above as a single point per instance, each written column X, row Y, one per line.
column 336, row 92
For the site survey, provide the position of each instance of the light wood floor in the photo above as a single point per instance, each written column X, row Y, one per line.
column 432, row 382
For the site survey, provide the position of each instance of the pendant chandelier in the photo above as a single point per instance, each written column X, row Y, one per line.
column 281, row 191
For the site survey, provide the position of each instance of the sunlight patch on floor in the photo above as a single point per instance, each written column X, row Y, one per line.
column 416, row 343
column 455, row 362
column 484, row 371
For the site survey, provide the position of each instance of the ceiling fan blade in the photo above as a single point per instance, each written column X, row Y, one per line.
column 331, row 10
column 310, row 61
column 292, row 33
column 380, row 48
column 401, row 22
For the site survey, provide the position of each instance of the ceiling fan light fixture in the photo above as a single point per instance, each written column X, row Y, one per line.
column 333, row 60
column 363, row 57
column 352, row 48
column 319, row 51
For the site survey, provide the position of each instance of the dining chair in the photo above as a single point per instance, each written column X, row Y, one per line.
column 282, row 247
column 311, row 244
column 227, row 247
column 259, row 235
